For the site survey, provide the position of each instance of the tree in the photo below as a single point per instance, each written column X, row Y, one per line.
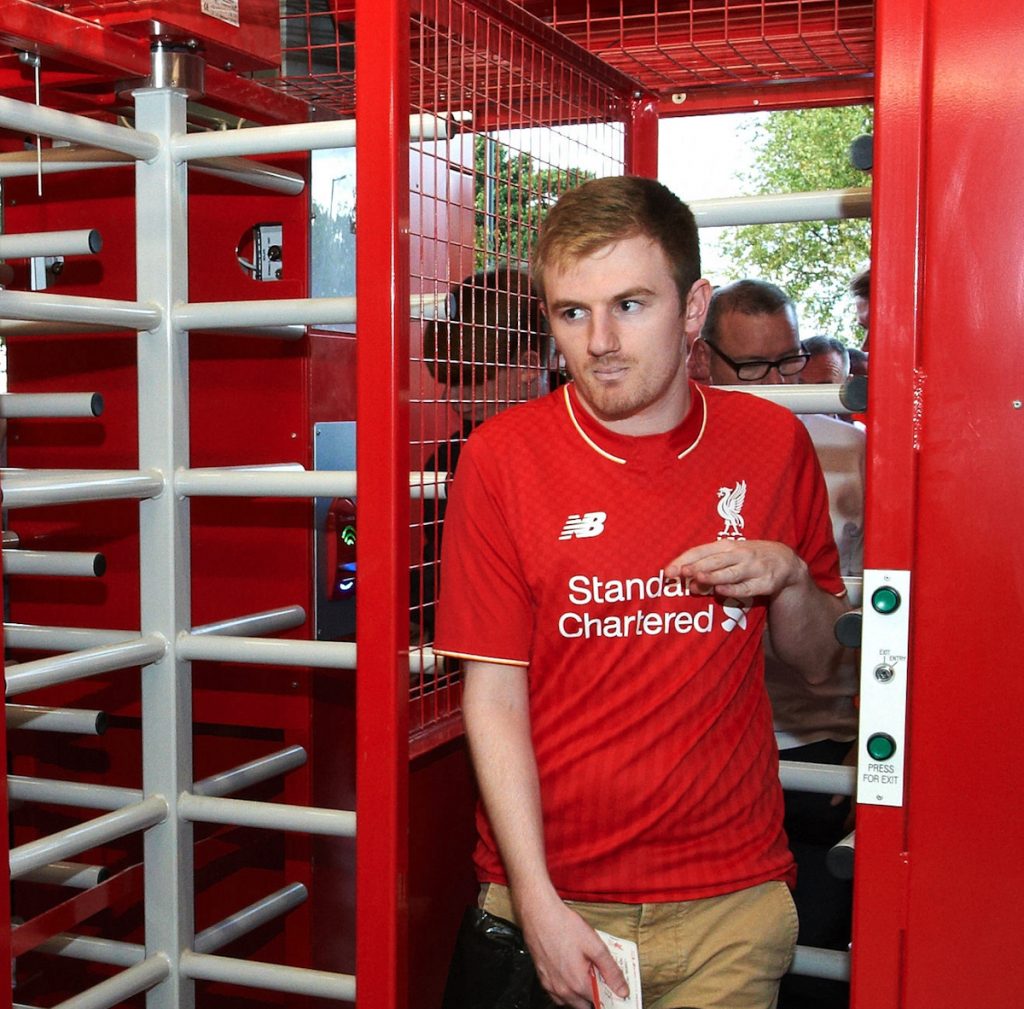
column 512, row 197
column 802, row 151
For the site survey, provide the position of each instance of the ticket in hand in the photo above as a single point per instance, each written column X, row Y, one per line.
column 624, row 953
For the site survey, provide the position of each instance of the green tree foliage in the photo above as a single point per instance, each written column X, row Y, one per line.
column 802, row 151
column 512, row 197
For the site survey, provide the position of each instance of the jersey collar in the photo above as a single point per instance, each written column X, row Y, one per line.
column 625, row 449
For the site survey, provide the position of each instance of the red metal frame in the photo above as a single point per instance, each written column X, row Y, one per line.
column 382, row 289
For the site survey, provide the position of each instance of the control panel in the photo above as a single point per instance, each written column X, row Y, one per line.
column 883, row 687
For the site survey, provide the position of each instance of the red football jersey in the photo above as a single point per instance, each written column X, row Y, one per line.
column 651, row 725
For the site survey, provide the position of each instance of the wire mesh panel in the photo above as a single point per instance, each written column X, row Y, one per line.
column 520, row 123
column 673, row 46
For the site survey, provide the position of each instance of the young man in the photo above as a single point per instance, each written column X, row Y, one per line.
column 613, row 554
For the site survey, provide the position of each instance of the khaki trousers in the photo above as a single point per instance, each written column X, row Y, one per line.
column 726, row 952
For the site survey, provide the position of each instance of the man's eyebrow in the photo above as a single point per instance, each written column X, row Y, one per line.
column 555, row 306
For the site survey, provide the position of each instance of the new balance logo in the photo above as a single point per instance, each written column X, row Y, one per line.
column 583, row 526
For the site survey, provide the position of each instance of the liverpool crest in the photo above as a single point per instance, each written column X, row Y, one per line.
column 730, row 506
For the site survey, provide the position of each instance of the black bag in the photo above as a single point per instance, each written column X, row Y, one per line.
column 492, row 968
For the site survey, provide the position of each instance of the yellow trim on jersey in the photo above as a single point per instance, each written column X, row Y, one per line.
column 583, row 434
column 703, row 423
column 481, row 658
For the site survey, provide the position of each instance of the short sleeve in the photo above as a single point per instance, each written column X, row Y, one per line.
column 485, row 609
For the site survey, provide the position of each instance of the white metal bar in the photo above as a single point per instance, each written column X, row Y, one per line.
column 429, row 485
column 32, row 306
column 833, row 964
column 120, row 987
column 28, row 488
column 17, row 115
column 782, row 208
column 218, row 482
column 854, row 589
column 256, row 624
column 214, row 315
column 269, row 976
column 84, row 242
column 83, row 836
column 95, row 950
column 267, row 651
column 70, row 793
column 14, row 328
column 798, row 398
column 77, row 875
column 824, row 779
column 69, row 158
column 250, row 918
column 252, row 173
column 10, row 539
column 78, row 721
column 269, row 815
column 292, row 137
column 57, row 563
column 161, row 276
column 839, row 859
column 252, row 772
column 50, row 404
column 70, row 666
column 64, row 639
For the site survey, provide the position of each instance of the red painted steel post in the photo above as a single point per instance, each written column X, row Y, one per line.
column 642, row 138
column 382, row 375
column 880, row 881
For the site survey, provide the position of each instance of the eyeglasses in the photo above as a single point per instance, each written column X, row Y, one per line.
column 754, row 371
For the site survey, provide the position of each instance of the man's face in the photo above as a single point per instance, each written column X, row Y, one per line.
column 862, row 305
column 766, row 337
column 823, row 369
column 617, row 320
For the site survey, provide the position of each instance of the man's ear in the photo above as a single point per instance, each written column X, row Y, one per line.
column 696, row 309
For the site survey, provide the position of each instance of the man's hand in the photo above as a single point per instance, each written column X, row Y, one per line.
column 565, row 949
column 741, row 568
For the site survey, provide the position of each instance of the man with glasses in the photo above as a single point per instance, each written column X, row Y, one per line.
column 751, row 337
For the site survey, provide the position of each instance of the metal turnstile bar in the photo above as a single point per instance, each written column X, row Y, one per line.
column 267, row 651
column 70, row 793
column 30, row 489
column 292, row 137
column 806, row 398
column 50, row 404
column 833, row 964
column 252, row 173
column 270, row 815
column 272, row 977
column 77, row 875
column 115, row 990
column 32, row 306
column 54, row 563
column 86, row 242
column 824, row 779
column 217, row 482
column 87, row 947
column 250, row 918
column 65, row 639
column 83, row 836
column 88, row 662
column 251, row 773
column 17, row 115
column 783, row 208
column 267, row 622
column 79, row 721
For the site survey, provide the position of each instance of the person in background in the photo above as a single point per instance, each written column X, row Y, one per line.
column 860, row 288
column 858, row 361
column 490, row 353
column 829, row 363
column 614, row 553
column 752, row 336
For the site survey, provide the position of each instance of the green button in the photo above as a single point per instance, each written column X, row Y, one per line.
column 881, row 746
column 885, row 599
